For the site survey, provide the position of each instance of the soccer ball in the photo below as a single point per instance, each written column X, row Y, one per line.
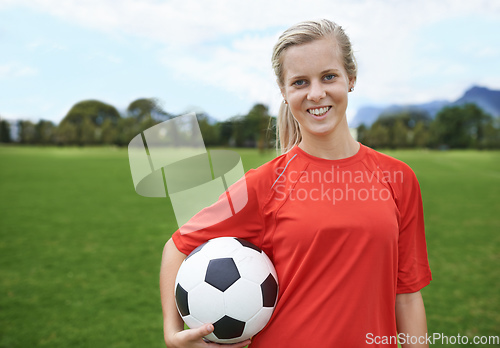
column 230, row 283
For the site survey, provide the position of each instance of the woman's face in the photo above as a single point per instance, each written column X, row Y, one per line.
column 316, row 86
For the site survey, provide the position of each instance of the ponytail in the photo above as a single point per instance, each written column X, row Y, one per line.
column 287, row 130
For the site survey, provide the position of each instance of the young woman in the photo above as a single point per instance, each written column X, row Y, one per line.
column 342, row 223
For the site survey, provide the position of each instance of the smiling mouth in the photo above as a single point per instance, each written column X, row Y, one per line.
column 319, row 111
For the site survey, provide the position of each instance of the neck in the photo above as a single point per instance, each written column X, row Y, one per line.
column 337, row 145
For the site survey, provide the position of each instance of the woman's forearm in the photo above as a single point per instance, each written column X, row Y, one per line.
column 171, row 261
column 410, row 320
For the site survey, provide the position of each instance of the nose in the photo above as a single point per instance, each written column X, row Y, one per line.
column 316, row 92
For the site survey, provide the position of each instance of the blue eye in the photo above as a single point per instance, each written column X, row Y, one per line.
column 330, row 77
column 299, row 83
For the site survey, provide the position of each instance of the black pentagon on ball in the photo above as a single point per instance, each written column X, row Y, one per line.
column 222, row 273
column 269, row 289
column 227, row 327
column 247, row 244
column 196, row 250
column 181, row 297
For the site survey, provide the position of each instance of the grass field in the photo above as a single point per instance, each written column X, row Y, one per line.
column 80, row 250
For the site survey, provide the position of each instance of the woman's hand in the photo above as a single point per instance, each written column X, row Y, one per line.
column 193, row 338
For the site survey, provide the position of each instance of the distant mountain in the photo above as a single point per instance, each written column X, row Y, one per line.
column 487, row 99
column 366, row 115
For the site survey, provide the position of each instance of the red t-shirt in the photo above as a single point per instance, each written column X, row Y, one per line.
column 345, row 237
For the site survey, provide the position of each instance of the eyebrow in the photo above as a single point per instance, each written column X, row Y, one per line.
column 298, row 77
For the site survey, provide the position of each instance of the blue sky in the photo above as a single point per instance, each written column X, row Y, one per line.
column 215, row 56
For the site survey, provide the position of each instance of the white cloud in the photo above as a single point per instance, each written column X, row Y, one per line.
column 195, row 21
column 14, row 70
column 227, row 44
column 243, row 68
column 45, row 46
column 488, row 52
column 113, row 59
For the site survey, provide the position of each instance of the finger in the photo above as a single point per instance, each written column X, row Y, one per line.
column 199, row 333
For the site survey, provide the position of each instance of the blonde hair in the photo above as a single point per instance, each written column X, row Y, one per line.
column 287, row 128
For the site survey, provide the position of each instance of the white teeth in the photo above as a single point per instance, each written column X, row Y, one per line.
column 319, row 111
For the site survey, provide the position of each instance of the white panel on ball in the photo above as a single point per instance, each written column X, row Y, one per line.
column 191, row 322
column 271, row 267
column 252, row 265
column 243, row 310
column 193, row 272
column 221, row 247
column 206, row 303
column 259, row 321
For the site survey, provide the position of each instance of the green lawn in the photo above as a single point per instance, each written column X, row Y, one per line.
column 461, row 191
column 80, row 250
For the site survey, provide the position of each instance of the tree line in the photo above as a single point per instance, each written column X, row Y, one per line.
column 454, row 127
column 92, row 122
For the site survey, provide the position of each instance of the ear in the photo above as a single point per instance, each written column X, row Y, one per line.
column 283, row 93
column 352, row 82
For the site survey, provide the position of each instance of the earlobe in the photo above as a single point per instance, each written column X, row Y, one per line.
column 352, row 82
column 284, row 97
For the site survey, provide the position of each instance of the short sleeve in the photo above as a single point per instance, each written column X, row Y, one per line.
column 246, row 223
column 413, row 266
